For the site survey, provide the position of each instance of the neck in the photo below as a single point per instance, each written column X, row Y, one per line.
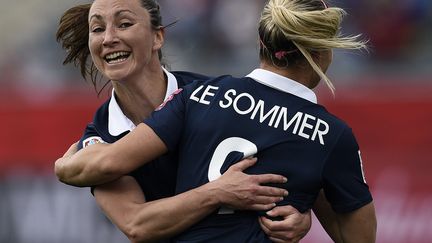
column 301, row 74
column 140, row 96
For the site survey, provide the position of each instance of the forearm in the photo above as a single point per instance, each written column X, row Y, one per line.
column 87, row 167
column 149, row 221
column 99, row 163
column 327, row 217
column 170, row 216
column 120, row 201
column 167, row 217
column 358, row 226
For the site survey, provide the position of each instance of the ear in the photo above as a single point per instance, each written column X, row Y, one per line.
column 323, row 59
column 316, row 56
column 159, row 39
column 320, row 58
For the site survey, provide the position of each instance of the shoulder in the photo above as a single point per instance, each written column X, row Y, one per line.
column 99, row 125
column 339, row 123
column 325, row 126
column 221, row 80
column 331, row 118
column 101, row 114
column 345, row 138
column 184, row 77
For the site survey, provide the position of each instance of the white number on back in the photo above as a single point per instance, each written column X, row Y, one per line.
column 232, row 144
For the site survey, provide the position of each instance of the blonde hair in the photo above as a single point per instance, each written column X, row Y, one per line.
column 290, row 26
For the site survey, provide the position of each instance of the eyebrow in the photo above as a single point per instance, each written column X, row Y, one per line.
column 116, row 14
column 95, row 16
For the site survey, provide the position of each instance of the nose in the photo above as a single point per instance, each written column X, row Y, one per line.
column 110, row 37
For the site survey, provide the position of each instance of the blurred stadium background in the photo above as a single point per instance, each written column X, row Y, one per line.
column 385, row 95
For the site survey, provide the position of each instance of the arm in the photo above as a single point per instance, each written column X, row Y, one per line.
column 327, row 217
column 123, row 202
column 344, row 181
column 291, row 229
column 346, row 190
column 358, row 226
column 98, row 164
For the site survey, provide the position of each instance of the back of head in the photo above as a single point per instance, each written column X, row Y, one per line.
column 291, row 30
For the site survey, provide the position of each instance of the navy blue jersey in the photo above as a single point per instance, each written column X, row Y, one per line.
column 156, row 179
column 215, row 124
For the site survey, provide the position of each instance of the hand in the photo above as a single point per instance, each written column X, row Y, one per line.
column 59, row 162
column 291, row 229
column 241, row 191
column 72, row 150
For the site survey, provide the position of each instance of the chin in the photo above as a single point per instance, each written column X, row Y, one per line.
column 115, row 75
column 120, row 72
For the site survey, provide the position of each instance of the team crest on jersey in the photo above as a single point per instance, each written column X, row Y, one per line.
column 168, row 99
column 92, row 140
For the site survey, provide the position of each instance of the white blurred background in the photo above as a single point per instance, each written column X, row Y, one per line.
column 384, row 95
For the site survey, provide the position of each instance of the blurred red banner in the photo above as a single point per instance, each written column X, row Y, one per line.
column 392, row 125
column 34, row 132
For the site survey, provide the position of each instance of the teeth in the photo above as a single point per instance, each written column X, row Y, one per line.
column 113, row 56
column 117, row 60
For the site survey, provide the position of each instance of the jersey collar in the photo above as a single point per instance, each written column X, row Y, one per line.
column 282, row 83
column 118, row 123
column 172, row 83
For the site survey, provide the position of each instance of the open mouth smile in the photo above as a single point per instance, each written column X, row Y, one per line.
column 116, row 57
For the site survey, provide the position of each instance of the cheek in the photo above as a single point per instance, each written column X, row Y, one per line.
column 95, row 51
column 142, row 49
column 144, row 41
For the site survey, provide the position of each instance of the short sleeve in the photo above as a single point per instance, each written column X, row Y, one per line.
column 89, row 137
column 344, row 183
column 167, row 121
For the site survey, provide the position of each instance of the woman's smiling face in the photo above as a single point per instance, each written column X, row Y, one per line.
column 121, row 39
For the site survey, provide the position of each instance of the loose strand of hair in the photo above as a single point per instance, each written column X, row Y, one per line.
column 316, row 68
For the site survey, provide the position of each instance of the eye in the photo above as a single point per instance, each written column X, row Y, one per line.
column 124, row 25
column 97, row 29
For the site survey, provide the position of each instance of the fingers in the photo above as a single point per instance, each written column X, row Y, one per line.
column 261, row 207
column 263, row 222
column 283, row 211
column 271, row 225
column 295, row 224
column 244, row 164
column 260, row 179
column 291, row 229
column 276, row 235
column 275, row 226
column 72, row 150
column 271, row 191
column 58, row 162
column 269, row 178
column 266, row 200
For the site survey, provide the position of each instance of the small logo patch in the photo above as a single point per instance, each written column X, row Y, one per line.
column 168, row 99
column 92, row 140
